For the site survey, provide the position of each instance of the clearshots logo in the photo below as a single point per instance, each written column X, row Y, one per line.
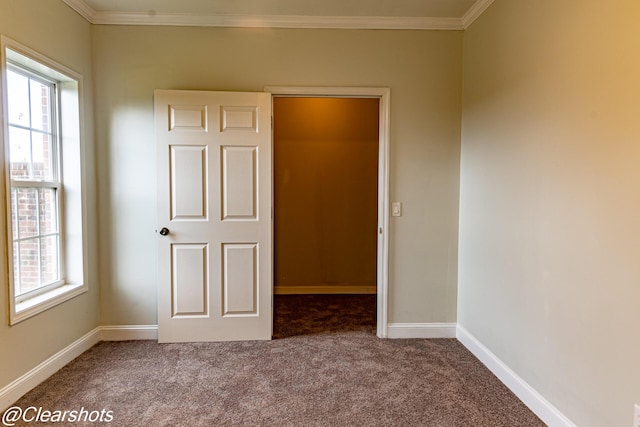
column 32, row 414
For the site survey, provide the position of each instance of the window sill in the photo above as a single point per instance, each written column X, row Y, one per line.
column 42, row 302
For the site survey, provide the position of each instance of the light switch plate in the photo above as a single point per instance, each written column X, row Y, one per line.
column 396, row 209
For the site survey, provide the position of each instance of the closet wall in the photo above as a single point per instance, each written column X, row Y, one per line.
column 326, row 172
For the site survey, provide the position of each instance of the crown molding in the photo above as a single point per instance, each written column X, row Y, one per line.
column 280, row 21
column 86, row 11
column 474, row 12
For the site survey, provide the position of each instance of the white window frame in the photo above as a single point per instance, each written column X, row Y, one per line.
column 72, row 218
column 54, row 182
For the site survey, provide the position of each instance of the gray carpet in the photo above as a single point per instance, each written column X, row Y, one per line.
column 326, row 367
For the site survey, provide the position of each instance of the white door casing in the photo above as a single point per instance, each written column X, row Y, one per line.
column 214, row 198
column 384, row 95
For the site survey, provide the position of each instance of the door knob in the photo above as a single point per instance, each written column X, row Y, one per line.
column 164, row 231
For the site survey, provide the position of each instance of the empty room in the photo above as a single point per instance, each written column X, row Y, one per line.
column 198, row 229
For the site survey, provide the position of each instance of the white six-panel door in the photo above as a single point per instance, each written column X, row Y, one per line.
column 214, row 215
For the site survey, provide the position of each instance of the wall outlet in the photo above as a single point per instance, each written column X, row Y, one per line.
column 636, row 415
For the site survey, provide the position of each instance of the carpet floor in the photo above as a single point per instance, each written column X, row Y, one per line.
column 325, row 367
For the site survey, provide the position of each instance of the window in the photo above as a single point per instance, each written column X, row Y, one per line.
column 35, row 184
column 43, row 181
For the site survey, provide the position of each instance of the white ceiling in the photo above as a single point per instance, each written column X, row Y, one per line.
column 380, row 14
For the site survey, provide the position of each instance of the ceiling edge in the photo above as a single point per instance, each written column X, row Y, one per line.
column 279, row 21
column 86, row 11
column 474, row 12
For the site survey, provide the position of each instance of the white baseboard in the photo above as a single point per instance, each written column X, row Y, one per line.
column 128, row 332
column 548, row 413
column 324, row 289
column 18, row 388
column 421, row 330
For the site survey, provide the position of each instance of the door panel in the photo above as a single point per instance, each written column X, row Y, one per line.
column 188, row 117
column 240, row 284
column 239, row 183
column 214, row 197
column 238, row 119
column 189, row 276
column 188, row 184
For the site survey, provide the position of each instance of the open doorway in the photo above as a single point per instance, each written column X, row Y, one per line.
column 326, row 203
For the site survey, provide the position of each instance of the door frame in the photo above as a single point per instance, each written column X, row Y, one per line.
column 384, row 95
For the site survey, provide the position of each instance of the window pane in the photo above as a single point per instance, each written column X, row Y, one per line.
column 41, row 152
column 49, row 260
column 20, row 152
column 48, row 210
column 36, row 260
column 29, row 268
column 18, row 99
column 40, row 106
column 27, row 212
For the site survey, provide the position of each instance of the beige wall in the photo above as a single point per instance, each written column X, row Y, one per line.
column 53, row 29
column 325, row 192
column 550, row 199
column 423, row 70
column 549, row 208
